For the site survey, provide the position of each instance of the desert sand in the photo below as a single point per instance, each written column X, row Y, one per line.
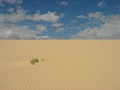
column 68, row 65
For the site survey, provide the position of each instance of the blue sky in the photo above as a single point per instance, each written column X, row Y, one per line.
column 59, row 19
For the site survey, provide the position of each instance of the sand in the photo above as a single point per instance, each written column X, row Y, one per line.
column 68, row 65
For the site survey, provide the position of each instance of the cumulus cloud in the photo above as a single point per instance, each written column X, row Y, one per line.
column 109, row 30
column 96, row 15
column 101, row 4
column 10, row 2
column 60, row 29
column 21, row 14
column 41, row 28
column 56, row 25
column 12, row 28
column 11, row 31
column 61, row 15
column 47, row 17
column 63, row 3
column 81, row 17
column 11, row 9
column 92, row 16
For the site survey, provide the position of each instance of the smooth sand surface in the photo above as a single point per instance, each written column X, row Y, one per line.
column 68, row 65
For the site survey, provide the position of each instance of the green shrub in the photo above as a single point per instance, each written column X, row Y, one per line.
column 34, row 60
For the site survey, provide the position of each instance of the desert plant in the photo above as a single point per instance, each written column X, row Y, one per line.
column 34, row 60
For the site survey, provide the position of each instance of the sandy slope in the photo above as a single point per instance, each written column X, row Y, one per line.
column 68, row 65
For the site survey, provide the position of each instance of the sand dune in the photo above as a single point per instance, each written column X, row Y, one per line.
column 68, row 65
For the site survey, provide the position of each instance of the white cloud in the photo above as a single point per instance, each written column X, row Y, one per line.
column 47, row 17
column 61, row 15
column 18, row 16
column 11, row 31
column 38, row 11
column 101, row 3
column 21, row 14
column 41, row 28
column 43, row 37
column 63, row 3
column 109, row 30
column 13, row 1
column 56, row 25
column 60, row 29
column 10, row 2
column 81, row 17
column 11, row 9
column 96, row 15
column 2, row 18
column 92, row 15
